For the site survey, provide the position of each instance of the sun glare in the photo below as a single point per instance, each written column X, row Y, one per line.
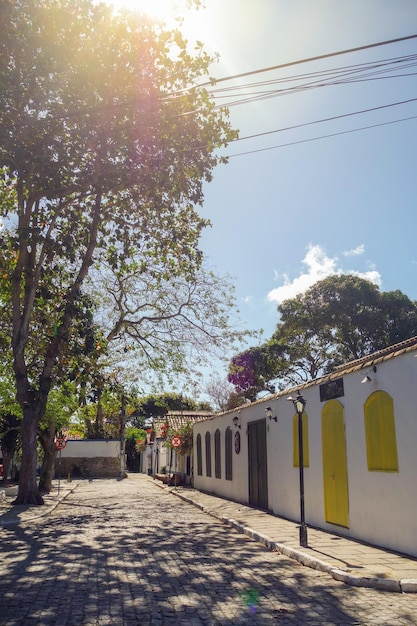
column 195, row 23
column 160, row 10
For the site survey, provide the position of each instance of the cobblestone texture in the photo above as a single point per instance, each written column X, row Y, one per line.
column 128, row 553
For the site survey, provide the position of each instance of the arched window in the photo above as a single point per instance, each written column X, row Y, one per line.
column 208, row 454
column 306, row 456
column 199, row 456
column 228, row 456
column 381, row 441
column 217, row 455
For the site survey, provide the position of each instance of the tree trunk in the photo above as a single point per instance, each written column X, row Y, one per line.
column 47, row 439
column 7, row 459
column 28, row 488
column 98, row 426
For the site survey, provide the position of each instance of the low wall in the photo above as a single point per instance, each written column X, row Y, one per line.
column 85, row 467
column 87, row 458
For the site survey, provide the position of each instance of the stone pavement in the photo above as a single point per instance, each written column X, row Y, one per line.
column 130, row 553
column 352, row 562
column 346, row 560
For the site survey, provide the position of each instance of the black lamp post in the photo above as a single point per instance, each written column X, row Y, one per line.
column 299, row 404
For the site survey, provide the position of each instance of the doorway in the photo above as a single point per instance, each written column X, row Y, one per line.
column 335, row 479
column 258, row 465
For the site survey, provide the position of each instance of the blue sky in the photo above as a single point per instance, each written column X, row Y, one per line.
column 286, row 217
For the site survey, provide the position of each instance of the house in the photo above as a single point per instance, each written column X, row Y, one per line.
column 160, row 458
column 359, row 449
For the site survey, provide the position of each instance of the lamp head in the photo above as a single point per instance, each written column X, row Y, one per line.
column 268, row 412
column 299, row 403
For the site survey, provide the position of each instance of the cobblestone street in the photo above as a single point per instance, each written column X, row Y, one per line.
column 129, row 553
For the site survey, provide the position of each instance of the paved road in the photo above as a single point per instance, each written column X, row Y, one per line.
column 129, row 553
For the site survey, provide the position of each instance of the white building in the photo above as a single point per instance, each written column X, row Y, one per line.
column 360, row 438
column 88, row 458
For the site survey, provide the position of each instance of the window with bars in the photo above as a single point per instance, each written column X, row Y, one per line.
column 228, row 453
column 208, row 454
column 217, row 454
column 199, row 456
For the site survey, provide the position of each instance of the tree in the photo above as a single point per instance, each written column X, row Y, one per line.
column 9, row 439
column 105, row 142
column 348, row 317
column 61, row 405
column 220, row 391
column 10, row 417
column 339, row 319
column 135, row 441
column 158, row 322
column 251, row 371
column 158, row 405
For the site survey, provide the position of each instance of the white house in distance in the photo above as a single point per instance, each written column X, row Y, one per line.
column 158, row 457
column 360, row 457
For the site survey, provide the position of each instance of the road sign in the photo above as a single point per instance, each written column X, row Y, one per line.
column 176, row 442
column 60, row 443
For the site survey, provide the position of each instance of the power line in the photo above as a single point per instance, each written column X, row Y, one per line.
column 178, row 93
column 326, row 119
column 345, row 132
column 310, row 59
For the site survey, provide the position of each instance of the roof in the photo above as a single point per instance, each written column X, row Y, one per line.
column 409, row 345
column 177, row 420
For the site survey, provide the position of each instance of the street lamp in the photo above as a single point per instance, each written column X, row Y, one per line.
column 299, row 404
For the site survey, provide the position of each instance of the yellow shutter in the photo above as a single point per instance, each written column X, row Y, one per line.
column 381, row 441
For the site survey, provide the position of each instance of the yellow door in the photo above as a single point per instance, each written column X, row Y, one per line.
column 336, row 499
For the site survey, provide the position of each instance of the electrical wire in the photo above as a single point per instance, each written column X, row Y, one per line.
column 326, row 119
column 345, row 132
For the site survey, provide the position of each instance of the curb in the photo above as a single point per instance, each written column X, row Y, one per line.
column 41, row 511
column 407, row 585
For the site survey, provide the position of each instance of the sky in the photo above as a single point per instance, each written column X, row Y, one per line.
column 294, row 206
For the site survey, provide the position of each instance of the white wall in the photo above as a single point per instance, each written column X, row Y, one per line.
column 382, row 505
column 88, row 449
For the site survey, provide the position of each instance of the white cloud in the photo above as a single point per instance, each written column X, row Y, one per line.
column 355, row 251
column 318, row 266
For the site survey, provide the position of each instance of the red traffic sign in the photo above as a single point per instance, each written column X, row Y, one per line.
column 60, row 443
column 176, row 442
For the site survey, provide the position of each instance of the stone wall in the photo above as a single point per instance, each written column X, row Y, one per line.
column 95, row 467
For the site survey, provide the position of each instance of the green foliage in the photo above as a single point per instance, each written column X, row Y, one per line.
column 339, row 319
column 158, row 405
column 185, row 433
column 135, row 444
column 106, row 141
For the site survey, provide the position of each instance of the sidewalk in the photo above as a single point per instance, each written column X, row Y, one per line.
column 12, row 514
column 347, row 560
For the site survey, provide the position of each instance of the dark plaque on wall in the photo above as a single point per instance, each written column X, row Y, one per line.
column 331, row 390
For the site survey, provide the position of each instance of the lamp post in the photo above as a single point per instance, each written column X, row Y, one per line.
column 299, row 404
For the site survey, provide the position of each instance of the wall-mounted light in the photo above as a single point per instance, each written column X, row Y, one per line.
column 236, row 423
column 367, row 378
column 269, row 412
